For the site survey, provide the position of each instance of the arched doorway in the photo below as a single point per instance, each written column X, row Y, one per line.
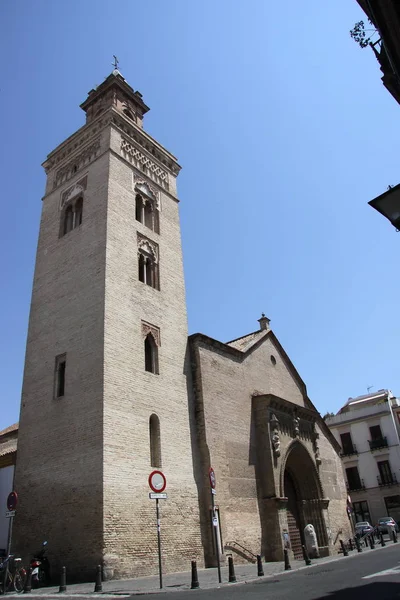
column 302, row 488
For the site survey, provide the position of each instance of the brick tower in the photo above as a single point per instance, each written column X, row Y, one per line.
column 104, row 397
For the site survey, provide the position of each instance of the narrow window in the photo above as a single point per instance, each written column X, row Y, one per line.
column 78, row 212
column 150, row 272
column 148, row 215
column 68, row 220
column 150, row 354
column 139, row 208
column 59, row 387
column 155, row 441
column 142, row 268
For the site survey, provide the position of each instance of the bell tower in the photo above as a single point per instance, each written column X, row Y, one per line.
column 104, row 399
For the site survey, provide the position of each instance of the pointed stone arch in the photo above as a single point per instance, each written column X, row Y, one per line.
column 301, row 484
column 304, row 453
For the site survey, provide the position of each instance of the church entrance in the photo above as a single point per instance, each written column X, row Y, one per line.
column 303, row 491
column 293, row 517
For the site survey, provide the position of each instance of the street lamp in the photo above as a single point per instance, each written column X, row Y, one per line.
column 388, row 204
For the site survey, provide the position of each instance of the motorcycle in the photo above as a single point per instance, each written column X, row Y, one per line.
column 40, row 568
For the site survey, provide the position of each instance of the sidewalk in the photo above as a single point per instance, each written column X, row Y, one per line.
column 208, row 578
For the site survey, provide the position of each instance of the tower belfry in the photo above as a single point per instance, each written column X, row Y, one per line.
column 104, row 397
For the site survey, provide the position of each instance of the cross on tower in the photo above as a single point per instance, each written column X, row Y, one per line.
column 115, row 63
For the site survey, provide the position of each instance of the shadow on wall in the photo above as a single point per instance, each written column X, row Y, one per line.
column 384, row 590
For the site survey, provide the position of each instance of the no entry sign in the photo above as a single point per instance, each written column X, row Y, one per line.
column 157, row 481
column 12, row 501
column 213, row 479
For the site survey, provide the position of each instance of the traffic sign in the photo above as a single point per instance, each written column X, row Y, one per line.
column 10, row 513
column 212, row 478
column 157, row 481
column 12, row 501
column 157, row 496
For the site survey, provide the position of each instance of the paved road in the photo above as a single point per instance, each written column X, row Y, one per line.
column 369, row 576
column 341, row 580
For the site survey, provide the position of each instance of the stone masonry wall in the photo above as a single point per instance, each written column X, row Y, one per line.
column 59, row 473
column 131, row 394
column 228, row 442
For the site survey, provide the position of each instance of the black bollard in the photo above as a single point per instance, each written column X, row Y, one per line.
column 306, row 557
column 260, row 570
column 232, row 577
column 394, row 536
column 98, row 587
column 382, row 540
column 371, row 542
column 351, row 545
column 63, row 580
column 345, row 553
column 28, row 581
column 287, row 563
column 358, row 545
column 195, row 580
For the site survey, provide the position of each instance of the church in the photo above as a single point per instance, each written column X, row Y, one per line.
column 114, row 388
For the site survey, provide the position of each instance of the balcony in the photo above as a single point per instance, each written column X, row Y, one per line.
column 356, row 486
column 389, row 479
column 349, row 451
column 378, row 443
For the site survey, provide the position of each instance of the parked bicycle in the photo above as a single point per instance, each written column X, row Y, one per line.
column 12, row 578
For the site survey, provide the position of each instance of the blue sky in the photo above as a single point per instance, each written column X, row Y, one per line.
column 284, row 132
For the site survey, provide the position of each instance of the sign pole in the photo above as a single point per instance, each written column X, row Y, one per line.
column 215, row 520
column 216, row 536
column 10, row 528
column 159, row 541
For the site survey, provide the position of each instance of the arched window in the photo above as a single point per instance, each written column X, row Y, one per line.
column 150, row 354
column 147, row 213
column 72, row 216
column 148, row 269
column 155, row 441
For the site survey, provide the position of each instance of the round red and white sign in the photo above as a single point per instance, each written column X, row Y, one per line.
column 157, row 481
column 211, row 475
column 12, row 501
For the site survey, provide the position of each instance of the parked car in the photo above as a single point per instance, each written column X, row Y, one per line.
column 363, row 528
column 386, row 524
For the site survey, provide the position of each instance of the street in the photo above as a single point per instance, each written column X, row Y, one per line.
column 373, row 575
column 341, row 580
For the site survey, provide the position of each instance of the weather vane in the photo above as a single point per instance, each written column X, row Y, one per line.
column 115, row 63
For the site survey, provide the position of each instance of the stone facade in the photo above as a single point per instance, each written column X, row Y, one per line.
column 108, row 354
column 254, row 423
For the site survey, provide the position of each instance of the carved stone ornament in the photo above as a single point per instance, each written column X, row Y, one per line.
column 146, row 190
column 296, row 426
column 275, row 439
column 155, row 332
column 75, row 191
column 140, row 160
column 146, row 246
column 316, row 448
column 82, row 159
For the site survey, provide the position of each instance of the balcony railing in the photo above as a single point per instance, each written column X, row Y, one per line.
column 387, row 480
column 350, row 451
column 356, row 486
column 378, row 443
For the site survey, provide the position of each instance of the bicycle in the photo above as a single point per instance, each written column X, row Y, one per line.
column 16, row 575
